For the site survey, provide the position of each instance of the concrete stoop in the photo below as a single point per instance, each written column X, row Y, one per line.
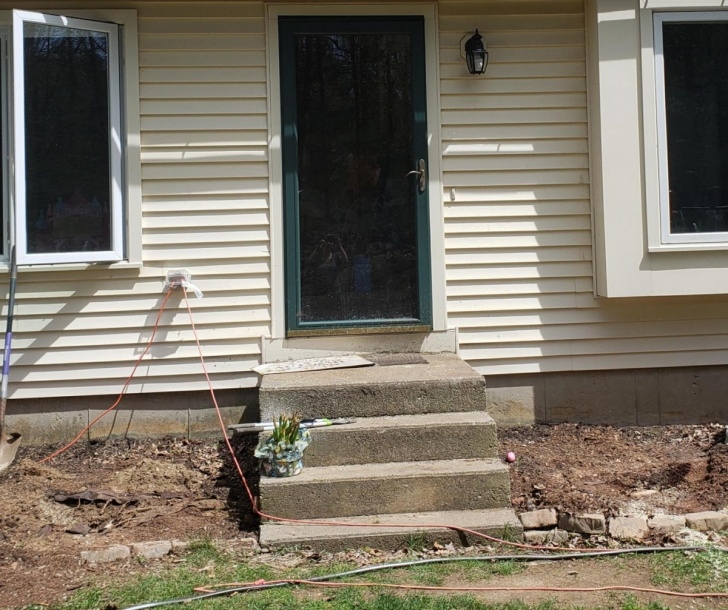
column 422, row 451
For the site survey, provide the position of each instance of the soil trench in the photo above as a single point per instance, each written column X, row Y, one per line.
column 125, row 491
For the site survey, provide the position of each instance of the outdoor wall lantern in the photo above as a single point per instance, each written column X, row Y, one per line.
column 476, row 55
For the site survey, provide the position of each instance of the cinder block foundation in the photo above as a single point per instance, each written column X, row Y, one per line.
column 636, row 397
column 185, row 414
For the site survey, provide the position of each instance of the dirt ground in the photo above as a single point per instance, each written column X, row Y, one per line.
column 124, row 491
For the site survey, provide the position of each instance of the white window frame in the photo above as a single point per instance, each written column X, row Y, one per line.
column 116, row 202
column 5, row 193
column 719, row 239
column 131, row 220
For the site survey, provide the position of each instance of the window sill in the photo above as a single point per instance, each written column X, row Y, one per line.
column 5, row 266
column 689, row 247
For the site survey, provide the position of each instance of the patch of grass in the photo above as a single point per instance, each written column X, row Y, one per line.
column 474, row 571
column 631, row 603
column 86, row 598
column 201, row 552
column 428, row 575
column 434, row 574
column 416, row 541
column 704, row 570
column 204, row 564
column 322, row 569
column 509, row 534
column 388, row 601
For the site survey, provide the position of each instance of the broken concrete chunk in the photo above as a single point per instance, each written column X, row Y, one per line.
column 708, row 521
column 555, row 536
column 590, row 523
column 628, row 528
column 112, row 553
column 539, row 519
column 666, row 524
column 179, row 545
column 153, row 549
column 250, row 544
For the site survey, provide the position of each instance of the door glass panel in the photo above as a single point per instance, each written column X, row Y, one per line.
column 357, row 216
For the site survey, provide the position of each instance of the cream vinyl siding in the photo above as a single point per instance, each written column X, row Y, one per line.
column 205, row 178
column 516, row 199
column 517, row 208
column 204, row 208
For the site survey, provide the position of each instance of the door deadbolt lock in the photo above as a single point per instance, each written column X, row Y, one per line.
column 421, row 173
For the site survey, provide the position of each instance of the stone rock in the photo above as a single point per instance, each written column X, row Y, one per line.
column 152, row 550
column 708, row 521
column 643, row 493
column 179, row 545
column 539, row 519
column 589, row 523
column 628, row 528
column 666, row 524
column 249, row 544
column 112, row 553
column 556, row 536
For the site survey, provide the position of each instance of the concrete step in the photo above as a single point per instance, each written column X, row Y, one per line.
column 394, row 487
column 404, row 438
column 444, row 384
column 498, row 522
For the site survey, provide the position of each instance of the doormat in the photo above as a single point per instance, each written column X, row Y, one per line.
column 312, row 364
column 395, row 359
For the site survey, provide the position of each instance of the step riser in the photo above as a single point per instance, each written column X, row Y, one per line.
column 375, row 400
column 340, row 446
column 501, row 523
column 401, row 494
column 385, row 540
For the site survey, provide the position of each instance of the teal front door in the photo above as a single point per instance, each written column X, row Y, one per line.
column 355, row 177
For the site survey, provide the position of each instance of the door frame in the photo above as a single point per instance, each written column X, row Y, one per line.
column 434, row 150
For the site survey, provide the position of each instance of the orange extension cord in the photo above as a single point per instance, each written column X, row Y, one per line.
column 419, row 526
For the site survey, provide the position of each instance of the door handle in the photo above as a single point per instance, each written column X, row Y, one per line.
column 421, row 172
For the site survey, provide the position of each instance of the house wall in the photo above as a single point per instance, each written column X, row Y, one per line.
column 204, row 177
column 521, row 279
column 516, row 199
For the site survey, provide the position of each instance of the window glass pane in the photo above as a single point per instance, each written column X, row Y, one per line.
column 68, row 175
column 696, row 89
